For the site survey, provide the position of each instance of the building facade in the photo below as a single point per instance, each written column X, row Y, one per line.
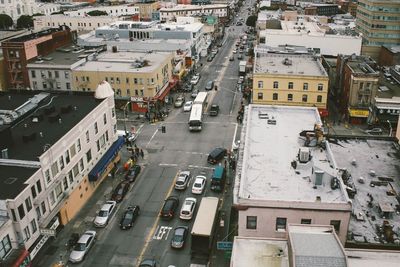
column 146, row 9
column 170, row 13
column 112, row 11
column 15, row 8
column 289, row 79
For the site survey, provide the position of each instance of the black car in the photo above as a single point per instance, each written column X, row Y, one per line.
column 129, row 217
column 216, row 155
column 214, row 110
column 148, row 263
column 179, row 237
column 169, row 207
column 120, row 191
column 132, row 173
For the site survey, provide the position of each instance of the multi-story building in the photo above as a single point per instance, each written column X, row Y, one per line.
column 170, row 13
column 112, row 11
column 389, row 56
column 48, row 8
column 286, row 173
column 146, row 9
column 321, row 9
column 56, row 150
column 286, row 78
column 54, row 71
column 75, row 23
column 356, row 85
column 17, row 8
column 379, row 23
column 19, row 50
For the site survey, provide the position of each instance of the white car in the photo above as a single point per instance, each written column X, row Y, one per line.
column 187, row 209
column 234, row 51
column 199, row 184
column 82, row 247
column 105, row 214
column 188, row 106
column 183, row 180
column 195, row 79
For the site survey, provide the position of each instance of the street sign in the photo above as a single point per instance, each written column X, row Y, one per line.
column 49, row 232
column 224, row 245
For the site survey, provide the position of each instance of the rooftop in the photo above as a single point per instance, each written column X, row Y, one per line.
column 270, row 149
column 65, row 56
column 27, row 134
column 362, row 68
column 192, row 7
column 35, row 35
column 373, row 171
column 288, row 64
column 12, row 180
column 125, row 61
column 372, row 258
column 259, row 252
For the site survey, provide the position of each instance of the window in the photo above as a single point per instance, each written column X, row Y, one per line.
column 68, row 86
column 5, row 246
column 260, row 84
column 75, row 170
column 251, row 222
column 58, row 190
column 65, row 183
column 305, row 221
column 290, row 97
column 43, row 207
column 66, row 155
column 66, row 74
column 13, row 215
column 98, row 145
column 87, row 136
column 38, row 214
column 33, row 226
column 56, row 74
column 78, row 144
column 290, row 85
column 27, row 233
column 33, row 74
column 28, row 204
column 72, row 151
column 319, row 98
column 54, row 169
column 70, row 177
column 276, row 84
column 113, row 112
column 274, row 96
column 106, row 135
column 260, row 96
column 304, row 98
column 47, row 176
column 105, row 118
column 87, row 78
column 88, row 156
column 102, row 141
column 335, row 224
column 39, row 186
column 96, row 128
column 61, row 162
column 280, row 224
column 21, row 211
column 81, row 165
column 320, row 87
column 33, row 191
column 305, row 86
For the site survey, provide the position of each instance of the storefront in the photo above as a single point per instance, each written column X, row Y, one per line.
column 18, row 258
column 52, row 226
column 358, row 116
column 385, row 111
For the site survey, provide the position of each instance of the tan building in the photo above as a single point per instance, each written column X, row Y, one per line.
column 289, row 79
column 146, row 9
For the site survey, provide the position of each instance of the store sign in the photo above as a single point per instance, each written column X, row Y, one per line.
column 49, row 232
column 136, row 99
column 360, row 113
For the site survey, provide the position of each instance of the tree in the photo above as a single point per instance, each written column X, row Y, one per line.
column 24, row 22
column 251, row 21
column 96, row 13
column 5, row 21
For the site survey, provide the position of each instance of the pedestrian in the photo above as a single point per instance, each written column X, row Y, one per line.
column 141, row 153
column 225, row 164
column 136, row 150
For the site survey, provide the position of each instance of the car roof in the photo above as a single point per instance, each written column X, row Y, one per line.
column 180, row 230
column 219, row 170
column 84, row 238
column 200, row 177
column 106, row 206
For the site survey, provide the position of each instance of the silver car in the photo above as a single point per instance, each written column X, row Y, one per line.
column 81, row 248
column 183, row 180
column 105, row 213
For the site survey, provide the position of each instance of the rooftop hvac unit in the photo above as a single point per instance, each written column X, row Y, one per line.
column 319, row 176
column 304, row 155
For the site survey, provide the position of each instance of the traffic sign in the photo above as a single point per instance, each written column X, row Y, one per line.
column 224, row 245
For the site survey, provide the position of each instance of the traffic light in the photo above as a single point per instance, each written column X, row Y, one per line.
column 163, row 129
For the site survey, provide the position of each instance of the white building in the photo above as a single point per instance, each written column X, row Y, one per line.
column 47, row 174
column 74, row 23
column 16, row 8
column 48, row 8
column 311, row 34
column 112, row 11
column 283, row 177
column 170, row 13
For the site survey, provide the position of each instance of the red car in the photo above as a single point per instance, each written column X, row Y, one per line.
column 120, row 191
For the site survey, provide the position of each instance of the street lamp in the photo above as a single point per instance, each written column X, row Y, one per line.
column 126, row 115
column 390, row 127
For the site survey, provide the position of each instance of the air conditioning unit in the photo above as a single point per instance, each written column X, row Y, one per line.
column 304, row 155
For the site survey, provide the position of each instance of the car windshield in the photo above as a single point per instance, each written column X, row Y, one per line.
column 80, row 247
column 197, row 185
column 178, row 235
column 185, row 212
column 179, row 182
column 103, row 213
column 128, row 215
column 119, row 192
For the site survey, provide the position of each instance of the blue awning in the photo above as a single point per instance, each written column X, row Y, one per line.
column 100, row 167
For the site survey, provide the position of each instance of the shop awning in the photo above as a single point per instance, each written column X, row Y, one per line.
column 99, row 168
column 163, row 92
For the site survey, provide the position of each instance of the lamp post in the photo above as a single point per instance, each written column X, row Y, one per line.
column 390, row 127
column 126, row 116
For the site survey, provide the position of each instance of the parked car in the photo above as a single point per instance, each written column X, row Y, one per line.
column 120, row 191
column 231, row 58
column 129, row 137
column 234, row 51
column 214, row 110
column 179, row 101
column 240, row 80
column 188, row 208
column 188, row 106
column 195, row 79
column 129, row 217
column 82, row 247
column 132, row 173
column 188, row 87
column 199, row 184
column 194, row 93
column 210, row 85
column 216, row 155
column 148, row 263
column 374, row 131
column 183, row 180
column 105, row 214
column 210, row 58
column 240, row 56
column 179, row 237
column 169, row 207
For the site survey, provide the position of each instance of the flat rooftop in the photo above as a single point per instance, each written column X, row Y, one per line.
column 23, row 137
column 268, row 151
column 259, row 252
column 372, row 258
column 288, row 64
column 192, row 7
column 64, row 56
column 377, row 162
column 12, row 180
column 124, row 61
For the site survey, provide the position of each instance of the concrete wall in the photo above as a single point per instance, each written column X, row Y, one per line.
column 74, row 23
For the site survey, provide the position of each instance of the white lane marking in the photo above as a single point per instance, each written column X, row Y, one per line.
column 167, row 165
column 234, row 136
column 154, row 134
column 200, row 167
column 163, row 230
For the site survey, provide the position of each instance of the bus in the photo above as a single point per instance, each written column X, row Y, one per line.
column 196, row 118
column 203, row 230
column 201, row 99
